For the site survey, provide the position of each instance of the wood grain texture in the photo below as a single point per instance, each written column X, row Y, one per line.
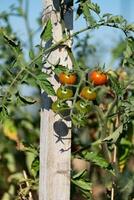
column 55, row 154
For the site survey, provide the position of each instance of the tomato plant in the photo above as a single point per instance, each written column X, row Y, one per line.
column 98, row 77
column 67, row 78
column 88, row 94
column 102, row 130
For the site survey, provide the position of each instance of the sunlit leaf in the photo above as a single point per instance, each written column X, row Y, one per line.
column 47, row 31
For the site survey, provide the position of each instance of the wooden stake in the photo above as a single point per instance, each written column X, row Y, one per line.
column 55, row 135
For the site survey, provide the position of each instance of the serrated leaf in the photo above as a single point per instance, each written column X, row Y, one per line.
column 95, row 158
column 31, row 81
column 87, row 14
column 47, row 31
column 116, row 19
column 94, row 7
column 58, row 69
column 130, row 27
column 35, row 165
column 84, row 185
column 46, row 86
column 107, row 15
column 42, row 76
column 115, row 135
column 79, row 175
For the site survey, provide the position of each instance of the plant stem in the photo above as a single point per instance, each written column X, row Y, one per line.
column 27, row 24
column 77, row 91
column 103, row 123
column 111, row 107
column 12, row 83
column 66, row 38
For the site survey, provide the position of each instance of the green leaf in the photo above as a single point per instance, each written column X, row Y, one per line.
column 107, row 15
column 59, row 68
column 94, row 7
column 31, row 54
column 35, row 165
column 3, row 113
column 47, row 31
column 87, row 14
column 79, row 175
column 46, row 86
column 20, row 11
column 15, row 45
column 30, row 81
column 116, row 19
column 95, row 158
column 115, row 135
column 117, row 52
column 42, row 76
column 26, row 99
column 84, row 185
column 130, row 27
column 128, row 53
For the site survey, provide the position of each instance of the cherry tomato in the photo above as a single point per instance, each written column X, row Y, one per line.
column 67, row 78
column 98, row 77
column 59, row 106
column 82, row 107
column 64, row 93
column 88, row 94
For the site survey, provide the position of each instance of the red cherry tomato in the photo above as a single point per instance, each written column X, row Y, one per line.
column 88, row 94
column 67, row 78
column 98, row 77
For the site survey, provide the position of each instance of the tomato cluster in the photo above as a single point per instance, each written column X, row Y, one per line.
column 81, row 93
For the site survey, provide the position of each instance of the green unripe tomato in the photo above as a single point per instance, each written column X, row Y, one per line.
column 59, row 106
column 82, row 107
column 64, row 93
column 88, row 94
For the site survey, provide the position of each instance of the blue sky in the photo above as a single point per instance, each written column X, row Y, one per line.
column 117, row 7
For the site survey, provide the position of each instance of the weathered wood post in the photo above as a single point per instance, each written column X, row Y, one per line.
column 54, row 162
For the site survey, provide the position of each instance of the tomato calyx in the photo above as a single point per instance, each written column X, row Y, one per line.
column 98, row 77
column 79, row 120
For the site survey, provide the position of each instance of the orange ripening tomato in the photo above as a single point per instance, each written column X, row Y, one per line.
column 88, row 94
column 67, row 78
column 98, row 78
